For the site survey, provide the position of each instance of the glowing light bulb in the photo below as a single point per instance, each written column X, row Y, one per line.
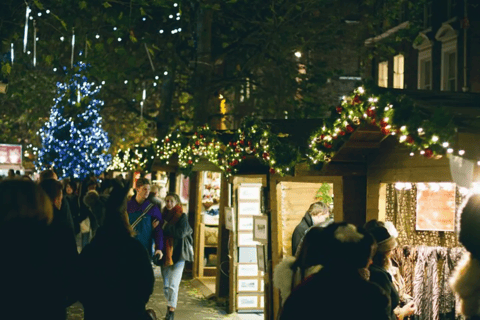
column 445, row 144
column 461, row 152
column 119, row 39
column 434, row 138
column 161, row 31
column 298, row 54
column 165, row 73
column 62, row 38
column 97, row 36
column 114, row 28
column 48, row 11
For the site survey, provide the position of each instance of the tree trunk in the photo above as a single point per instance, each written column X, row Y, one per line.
column 204, row 66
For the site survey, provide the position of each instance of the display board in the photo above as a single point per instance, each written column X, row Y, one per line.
column 250, row 283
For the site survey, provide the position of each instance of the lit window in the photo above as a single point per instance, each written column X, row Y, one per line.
column 398, row 71
column 383, row 74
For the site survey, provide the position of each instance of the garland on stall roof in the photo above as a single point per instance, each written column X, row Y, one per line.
column 429, row 135
column 133, row 159
column 255, row 137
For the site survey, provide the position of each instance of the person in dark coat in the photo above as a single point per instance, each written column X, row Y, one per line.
column 31, row 285
column 385, row 235
column 116, row 276
column 339, row 291
column 317, row 214
column 178, row 249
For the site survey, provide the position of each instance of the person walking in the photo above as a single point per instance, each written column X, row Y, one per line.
column 116, row 276
column 146, row 219
column 178, row 249
column 339, row 291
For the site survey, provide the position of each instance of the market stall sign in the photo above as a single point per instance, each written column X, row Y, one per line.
column 10, row 154
column 436, row 207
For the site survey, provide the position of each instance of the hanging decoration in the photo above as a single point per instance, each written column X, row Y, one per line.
column 428, row 135
column 133, row 159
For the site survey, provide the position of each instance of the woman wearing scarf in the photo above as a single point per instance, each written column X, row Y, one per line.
column 178, row 249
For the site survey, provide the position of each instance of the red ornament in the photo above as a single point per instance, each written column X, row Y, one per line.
column 385, row 131
column 234, row 144
column 167, row 140
column 230, row 143
column 349, row 128
column 334, row 137
column 238, row 150
column 266, row 155
column 242, row 142
column 339, row 109
column 371, row 112
column 190, row 161
column 327, row 145
column 229, row 169
column 383, row 123
column 201, row 136
column 410, row 139
column 197, row 143
column 374, row 121
column 272, row 170
column 244, row 157
column 356, row 99
column 235, row 162
column 428, row 153
column 341, row 133
column 322, row 137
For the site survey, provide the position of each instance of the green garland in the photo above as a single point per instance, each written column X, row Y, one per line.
column 430, row 135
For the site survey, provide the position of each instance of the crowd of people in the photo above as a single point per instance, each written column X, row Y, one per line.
column 340, row 271
column 121, row 235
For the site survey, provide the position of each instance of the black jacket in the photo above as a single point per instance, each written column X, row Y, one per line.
column 116, row 277
column 383, row 279
column 336, row 295
column 300, row 231
column 182, row 239
column 35, row 272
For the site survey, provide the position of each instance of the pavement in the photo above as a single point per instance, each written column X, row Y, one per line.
column 192, row 304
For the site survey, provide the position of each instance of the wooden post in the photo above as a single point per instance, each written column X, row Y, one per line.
column 223, row 263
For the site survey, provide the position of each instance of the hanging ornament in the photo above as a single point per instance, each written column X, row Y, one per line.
column 272, row 171
column 356, row 99
column 327, row 145
column 356, row 121
column 263, row 142
column 341, row 133
column 339, row 109
column 190, row 161
column 266, row 155
column 349, row 128
column 371, row 112
column 197, row 143
column 385, row 131
column 242, row 142
column 383, row 123
column 428, row 153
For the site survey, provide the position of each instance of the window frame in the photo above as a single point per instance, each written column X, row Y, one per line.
column 399, row 75
column 383, row 66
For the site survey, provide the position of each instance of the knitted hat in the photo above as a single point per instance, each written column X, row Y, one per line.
column 384, row 233
column 469, row 226
column 346, row 246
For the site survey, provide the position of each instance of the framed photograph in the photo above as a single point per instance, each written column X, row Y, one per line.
column 247, row 270
column 249, row 192
column 245, row 224
column 247, row 302
column 261, row 261
column 248, row 285
column 436, row 207
column 229, row 218
column 248, row 208
column 260, row 229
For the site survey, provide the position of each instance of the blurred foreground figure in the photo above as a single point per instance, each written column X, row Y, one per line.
column 30, row 284
column 339, row 291
column 465, row 280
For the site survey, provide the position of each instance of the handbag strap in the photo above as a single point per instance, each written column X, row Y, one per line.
column 134, row 224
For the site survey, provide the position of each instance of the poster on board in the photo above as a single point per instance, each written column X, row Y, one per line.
column 250, row 192
column 229, row 218
column 261, row 262
column 435, row 207
column 248, row 208
column 260, row 229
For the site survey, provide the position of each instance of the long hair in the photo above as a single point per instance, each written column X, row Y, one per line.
column 310, row 250
column 22, row 199
column 116, row 216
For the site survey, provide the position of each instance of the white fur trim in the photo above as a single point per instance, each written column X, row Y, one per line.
column 391, row 229
column 348, row 233
column 465, row 281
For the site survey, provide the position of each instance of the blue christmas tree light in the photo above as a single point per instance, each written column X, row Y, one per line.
column 73, row 141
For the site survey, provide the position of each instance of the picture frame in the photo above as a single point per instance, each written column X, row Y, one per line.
column 260, row 229
column 261, row 259
column 229, row 218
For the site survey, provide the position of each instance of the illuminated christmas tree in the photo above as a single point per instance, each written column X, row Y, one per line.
column 73, row 141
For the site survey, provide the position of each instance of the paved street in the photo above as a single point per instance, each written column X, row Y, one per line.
column 191, row 305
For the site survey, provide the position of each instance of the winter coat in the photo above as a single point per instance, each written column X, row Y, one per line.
column 465, row 282
column 300, row 231
column 96, row 203
column 116, row 277
column 36, row 271
column 337, row 294
column 284, row 277
column 72, row 200
column 382, row 278
column 182, row 239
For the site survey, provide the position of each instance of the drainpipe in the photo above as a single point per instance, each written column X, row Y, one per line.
column 465, row 26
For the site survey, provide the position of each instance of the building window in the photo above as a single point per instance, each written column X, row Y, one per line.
column 425, row 73
column 383, row 74
column 427, row 15
column 451, row 8
column 449, row 70
column 398, row 71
